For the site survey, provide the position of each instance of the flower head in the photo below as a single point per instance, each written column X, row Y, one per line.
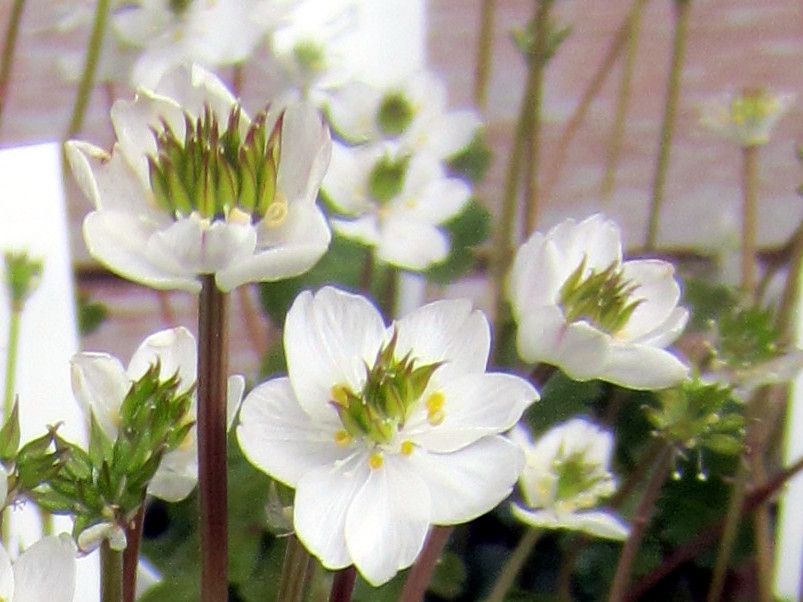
column 194, row 186
column 100, row 384
column 45, row 572
column 384, row 431
column 580, row 307
column 747, row 117
column 394, row 203
column 567, row 472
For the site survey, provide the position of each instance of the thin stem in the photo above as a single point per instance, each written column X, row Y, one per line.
column 90, row 67
column 533, row 141
column 785, row 318
column 638, row 526
column 212, row 481
column 12, row 352
column 343, row 585
column 590, row 93
column 622, row 103
column 166, row 311
column 749, row 217
column 417, row 582
column 9, row 46
column 387, row 296
column 638, row 473
column 297, row 570
column 111, row 573
column 567, row 568
column 133, row 534
column 254, row 325
column 506, row 227
column 515, row 562
column 682, row 12
column 367, row 272
column 484, row 54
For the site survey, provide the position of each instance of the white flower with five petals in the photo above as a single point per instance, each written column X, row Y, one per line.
column 748, row 117
column 242, row 207
column 567, row 472
column 578, row 306
column 101, row 383
column 384, row 431
column 45, row 572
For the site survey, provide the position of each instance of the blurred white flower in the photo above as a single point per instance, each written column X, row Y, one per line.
column 194, row 187
column 578, row 306
column 394, row 203
column 100, row 384
column 45, row 572
column 748, row 117
column 384, row 431
column 412, row 113
column 566, row 472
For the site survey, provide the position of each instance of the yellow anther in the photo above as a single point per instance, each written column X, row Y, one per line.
column 277, row 211
column 376, row 461
column 407, row 448
column 435, row 413
column 342, row 438
column 340, row 395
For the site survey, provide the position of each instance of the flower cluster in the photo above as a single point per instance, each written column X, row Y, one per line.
column 748, row 117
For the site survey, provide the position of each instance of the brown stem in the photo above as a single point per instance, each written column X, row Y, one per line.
column 343, row 585
column 682, row 12
column 567, row 568
column 590, row 93
column 367, row 272
column 9, row 47
column 417, row 582
column 133, row 534
column 638, row 473
column 484, row 52
column 749, row 217
column 639, row 524
column 166, row 311
column 700, row 543
column 296, row 572
column 212, row 481
column 254, row 325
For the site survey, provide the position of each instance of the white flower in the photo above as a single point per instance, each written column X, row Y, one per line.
column 580, row 307
column 384, row 431
column 45, row 572
column 242, row 207
column 100, row 384
column 413, row 113
column 397, row 204
column 748, row 117
column 91, row 537
column 566, row 472
column 169, row 33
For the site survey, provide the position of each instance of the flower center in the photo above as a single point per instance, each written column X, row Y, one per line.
column 580, row 483
column 179, row 6
column 310, row 57
column 393, row 388
column 395, row 114
column 753, row 107
column 217, row 173
column 603, row 298
column 387, row 178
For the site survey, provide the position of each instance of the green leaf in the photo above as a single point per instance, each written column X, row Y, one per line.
column 467, row 230
column 473, row 161
column 562, row 398
column 449, row 579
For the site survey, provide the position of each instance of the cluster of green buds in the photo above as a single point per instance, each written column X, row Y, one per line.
column 219, row 174
column 393, row 388
column 746, row 337
column 526, row 38
column 604, row 298
column 22, row 275
column 581, row 483
column 107, row 483
column 698, row 415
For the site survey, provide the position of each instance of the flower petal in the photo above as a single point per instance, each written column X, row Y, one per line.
column 46, row 571
column 120, row 243
column 537, row 275
column 6, row 575
column 665, row 334
column 328, row 338
column 323, row 498
column 643, row 367
column 658, row 290
column 176, row 352
column 279, row 438
column 475, row 406
column 364, row 229
column 411, row 244
column 177, row 474
column 100, row 384
column 306, row 149
column 468, row 483
column 388, row 520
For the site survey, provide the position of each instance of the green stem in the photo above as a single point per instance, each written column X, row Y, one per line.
column 343, row 585
column 212, row 479
column 749, row 217
column 133, row 534
column 533, row 141
column 682, row 12
column 90, row 68
column 419, row 577
column 484, row 53
column 12, row 352
column 387, row 296
column 622, row 103
column 638, row 525
column 297, row 570
column 590, row 93
column 111, row 573
column 515, row 562
column 9, row 47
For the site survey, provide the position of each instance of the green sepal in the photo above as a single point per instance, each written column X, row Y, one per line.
column 10, row 435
